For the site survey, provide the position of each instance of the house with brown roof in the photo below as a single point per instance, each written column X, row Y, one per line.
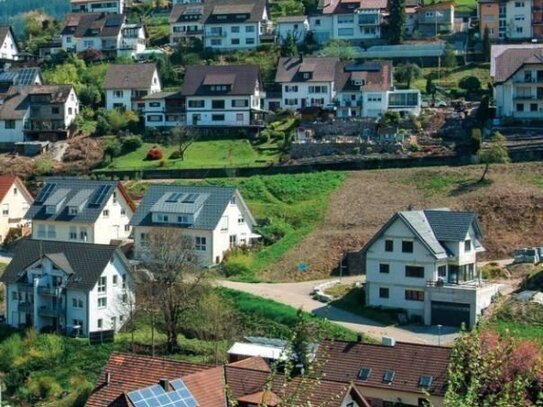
column 231, row 25
column 224, row 95
column 518, row 78
column 14, row 201
column 97, row 6
column 127, row 84
column 8, row 44
column 107, row 33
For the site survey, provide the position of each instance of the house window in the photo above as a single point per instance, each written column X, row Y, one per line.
column 414, row 271
column 15, row 191
column 51, row 232
column 121, row 318
column 127, row 228
column 233, row 240
column 291, row 88
column 216, row 42
column 102, row 284
column 9, row 124
column 318, row 21
column 5, row 210
column 533, row 107
column 105, row 212
column 235, row 41
column 196, row 103
column 200, row 244
column 519, row 30
column 74, row 302
column 123, row 278
column 383, row 292
column 239, row 117
column 83, row 234
column 467, row 246
column 241, row 220
column 73, row 233
column 240, row 103
column 442, row 271
column 41, row 231
column 250, row 29
column 249, row 41
column 217, row 104
column 123, row 212
column 55, row 110
column 234, row 29
column 384, row 268
column 519, row 4
column 80, row 303
column 72, row 210
column 144, row 237
column 118, row 94
column 217, row 117
column 407, row 246
column 414, row 295
column 99, row 323
column 520, row 107
column 114, row 282
column 154, row 118
column 102, row 302
column 70, row 110
column 389, row 245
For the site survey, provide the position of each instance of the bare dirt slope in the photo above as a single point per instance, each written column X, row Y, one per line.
column 510, row 209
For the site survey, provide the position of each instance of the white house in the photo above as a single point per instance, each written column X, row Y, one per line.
column 518, row 78
column 509, row 19
column 108, row 33
column 164, row 110
column 14, row 201
column 236, row 24
column 295, row 26
column 127, row 84
column 223, row 95
column 307, row 81
column 68, row 287
column 97, row 6
column 425, row 262
column 8, row 44
column 217, row 218
column 435, row 18
column 81, row 210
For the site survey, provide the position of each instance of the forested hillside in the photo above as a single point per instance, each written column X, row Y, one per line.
column 11, row 8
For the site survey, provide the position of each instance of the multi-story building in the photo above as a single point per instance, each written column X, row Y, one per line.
column 127, row 84
column 237, row 24
column 8, row 44
column 14, row 201
column 537, row 19
column 214, row 218
column 97, row 6
column 105, row 32
column 223, row 95
column 164, row 110
column 506, row 19
column 81, row 210
column 435, row 19
column 68, row 287
column 425, row 262
column 518, row 81
column 307, row 81
column 295, row 26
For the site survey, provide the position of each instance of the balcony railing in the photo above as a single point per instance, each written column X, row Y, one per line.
column 216, row 34
column 51, row 311
column 468, row 285
column 50, row 291
column 26, row 307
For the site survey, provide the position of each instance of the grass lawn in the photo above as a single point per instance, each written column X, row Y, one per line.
column 201, row 154
column 449, row 78
column 353, row 302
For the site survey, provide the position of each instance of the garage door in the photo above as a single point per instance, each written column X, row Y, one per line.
column 450, row 313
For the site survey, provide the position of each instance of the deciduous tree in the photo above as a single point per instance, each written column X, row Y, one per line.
column 494, row 152
column 408, row 72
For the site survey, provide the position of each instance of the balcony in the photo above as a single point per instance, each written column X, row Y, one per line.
column 368, row 19
column 26, row 307
column 44, row 126
column 462, row 285
column 51, row 311
column 216, row 34
column 50, row 291
column 187, row 33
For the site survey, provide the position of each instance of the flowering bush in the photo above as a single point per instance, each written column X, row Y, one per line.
column 154, row 153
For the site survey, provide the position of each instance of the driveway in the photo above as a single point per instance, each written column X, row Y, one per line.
column 297, row 295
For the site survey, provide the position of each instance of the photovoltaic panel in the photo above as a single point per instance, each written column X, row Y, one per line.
column 100, row 195
column 156, row 396
column 44, row 193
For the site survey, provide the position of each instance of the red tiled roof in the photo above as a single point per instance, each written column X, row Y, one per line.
column 341, row 361
column 6, row 181
column 130, row 372
column 267, row 397
column 254, row 362
column 207, row 387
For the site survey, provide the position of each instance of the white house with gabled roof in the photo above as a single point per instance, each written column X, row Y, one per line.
column 215, row 218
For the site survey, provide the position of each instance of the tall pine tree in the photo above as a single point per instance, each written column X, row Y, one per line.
column 396, row 23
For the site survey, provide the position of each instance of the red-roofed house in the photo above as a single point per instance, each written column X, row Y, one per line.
column 15, row 201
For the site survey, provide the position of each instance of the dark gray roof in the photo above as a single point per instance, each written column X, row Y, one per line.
column 240, row 79
column 130, row 76
column 93, row 24
column 322, row 69
column 85, row 262
column 72, row 192
column 209, row 205
column 233, row 11
column 452, row 226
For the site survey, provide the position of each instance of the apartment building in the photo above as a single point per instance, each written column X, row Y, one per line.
column 97, row 6
column 507, row 20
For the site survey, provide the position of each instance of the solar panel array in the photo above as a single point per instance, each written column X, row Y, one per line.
column 100, row 195
column 26, row 76
column 156, row 396
column 44, row 193
column 7, row 76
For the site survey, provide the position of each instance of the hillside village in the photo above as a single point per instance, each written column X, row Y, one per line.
column 331, row 203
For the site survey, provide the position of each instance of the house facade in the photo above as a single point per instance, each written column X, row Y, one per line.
column 214, row 218
column 97, row 6
column 14, row 201
column 435, row 19
column 506, row 19
column 518, row 78
column 425, row 262
column 127, row 84
column 164, row 110
column 296, row 27
column 8, row 44
column 223, row 95
column 107, row 33
column 68, row 287
column 80, row 210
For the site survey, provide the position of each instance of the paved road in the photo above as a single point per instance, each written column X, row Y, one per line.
column 297, row 295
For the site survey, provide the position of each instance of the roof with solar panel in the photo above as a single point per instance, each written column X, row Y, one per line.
column 203, row 206
column 71, row 199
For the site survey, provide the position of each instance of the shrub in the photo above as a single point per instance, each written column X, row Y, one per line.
column 44, row 166
column 470, row 83
column 476, row 138
column 163, row 162
column 102, row 126
column 131, row 143
column 235, row 267
column 43, row 388
column 155, row 153
column 176, row 155
column 414, row 147
column 112, row 146
column 264, row 136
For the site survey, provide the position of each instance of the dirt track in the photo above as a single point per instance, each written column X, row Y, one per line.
column 510, row 210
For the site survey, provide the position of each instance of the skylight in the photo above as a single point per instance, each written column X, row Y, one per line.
column 190, row 198
column 388, row 377
column 364, row 373
column 426, row 381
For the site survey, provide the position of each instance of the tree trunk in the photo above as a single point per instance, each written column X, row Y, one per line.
column 484, row 172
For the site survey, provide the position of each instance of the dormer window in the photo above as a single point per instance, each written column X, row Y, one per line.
column 183, row 219
column 467, row 246
column 359, row 82
column 162, row 218
column 50, row 209
column 307, row 75
column 72, row 210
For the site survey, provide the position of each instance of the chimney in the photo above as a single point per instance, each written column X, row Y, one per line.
column 165, row 384
column 388, row 341
column 108, row 378
column 359, row 338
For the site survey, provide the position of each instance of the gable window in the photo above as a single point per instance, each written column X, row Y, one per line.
column 114, row 281
column 102, row 284
column 5, row 210
column 383, row 292
column 123, row 211
column 384, row 268
column 467, row 246
column 102, row 302
column 414, row 295
column 200, row 244
column 123, row 278
column 241, row 220
column 442, row 271
column 407, row 246
column 105, row 212
column 389, row 245
column 14, row 191
column 414, row 271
